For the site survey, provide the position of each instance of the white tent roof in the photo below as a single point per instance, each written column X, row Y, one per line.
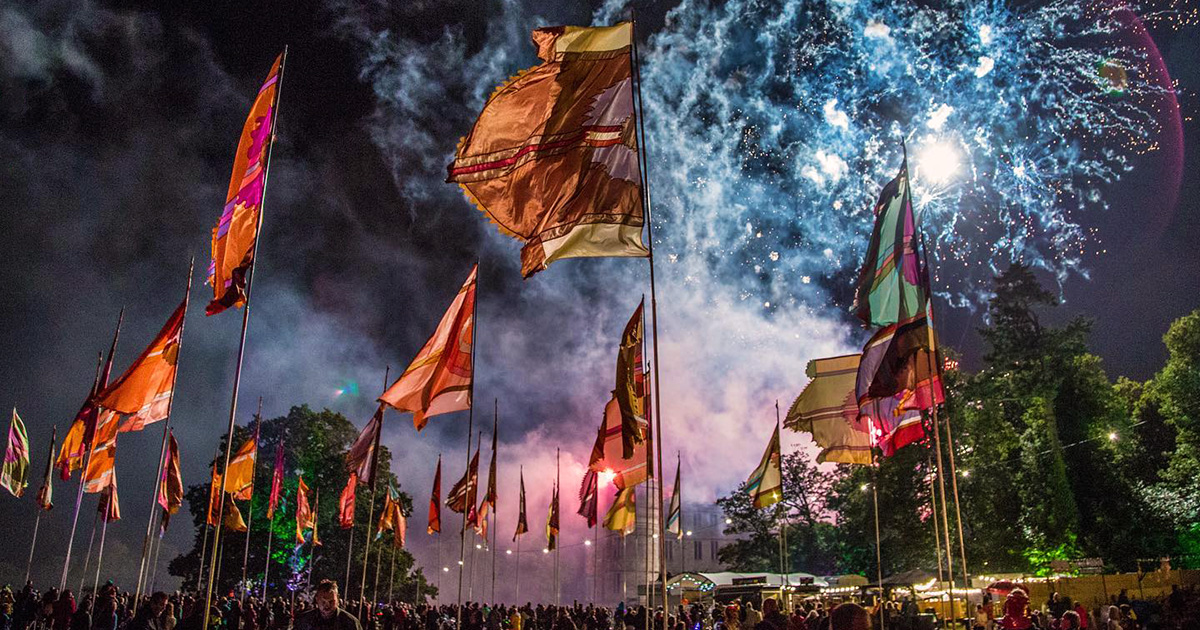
column 726, row 578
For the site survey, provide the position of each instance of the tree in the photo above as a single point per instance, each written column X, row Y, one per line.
column 315, row 444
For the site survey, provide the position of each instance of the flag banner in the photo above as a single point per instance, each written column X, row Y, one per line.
column 388, row 518
column 170, row 487
column 552, row 522
column 588, row 497
column 608, row 451
column 276, row 482
column 893, row 284
column 74, row 447
column 239, row 476
column 631, row 384
column 346, row 502
column 439, row 379
column 214, row 497
column 45, row 495
column 101, row 464
column 827, row 408
column 361, row 458
column 481, row 520
column 462, row 494
column 765, row 484
column 13, row 475
column 622, row 516
column 109, row 507
column 237, row 230
column 522, row 518
column 897, row 378
column 143, row 393
column 435, row 497
column 489, row 499
column 674, row 513
column 304, row 515
column 316, row 540
column 553, row 158
column 233, row 517
column 400, row 534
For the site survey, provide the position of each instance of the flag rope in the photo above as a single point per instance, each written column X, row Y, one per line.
column 241, row 354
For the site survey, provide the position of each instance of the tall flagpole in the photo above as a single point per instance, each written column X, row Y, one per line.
column 103, row 532
column 662, row 550
column 374, row 483
column 38, row 519
column 517, row 597
column 878, row 544
column 392, row 578
column 154, row 571
column 462, row 535
column 491, row 482
column 558, row 515
column 237, row 374
column 162, row 449
column 87, row 559
column 87, row 457
column 267, row 567
column 250, row 505
column 204, row 549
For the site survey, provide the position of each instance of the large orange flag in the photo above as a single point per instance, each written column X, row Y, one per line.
column 214, row 497
column 553, row 157
column 145, row 389
column 237, row 230
column 239, row 477
column 439, row 379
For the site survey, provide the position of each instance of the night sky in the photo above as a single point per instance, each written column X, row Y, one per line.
column 118, row 121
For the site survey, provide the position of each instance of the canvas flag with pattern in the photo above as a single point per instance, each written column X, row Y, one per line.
column 214, row 497
column 522, row 518
column 101, row 466
column 552, row 522
column 15, row 471
column 233, row 517
column 304, row 514
column 239, row 476
column 897, row 379
column 439, row 379
column 765, row 484
column 170, row 486
column 674, row 513
column 827, row 408
column 553, row 158
column 435, row 498
column 45, row 495
column 276, row 482
column 893, row 284
column 237, row 230
column 143, row 393
column 462, row 493
column 346, row 502
column 622, row 516
column 81, row 433
column 608, row 451
column 588, row 495
column 361, row 458
column 630, row 390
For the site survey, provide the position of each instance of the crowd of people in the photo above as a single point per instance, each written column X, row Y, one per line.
column 113, row 609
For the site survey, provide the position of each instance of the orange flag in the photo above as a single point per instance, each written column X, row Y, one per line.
column 316, row 540
column 439, row 379
column 435, row 508
column 101, row 468
column 304, row 514
column 553, row 158
column 239, row 477
column 237, row 230
column 607, row 453
column 170, row 485
column 145, row 389
column 233, row 517
column 214, row 497
column 346, row 503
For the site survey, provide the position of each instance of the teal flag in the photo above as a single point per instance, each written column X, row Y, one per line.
column 893, row 284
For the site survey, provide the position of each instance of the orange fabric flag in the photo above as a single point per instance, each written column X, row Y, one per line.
column 145, row 389
column 304, row 514
column 346, row 502
column 239, row 477
column 435, row 508
column 233, row 517
column 237, row 230
column 170, row 485
column 553, row 158
column 110, row 504
column 316, row 540
column 607, row 454
column 100, row 473
column 70, row 456
column 214, row 497
column 439, row 379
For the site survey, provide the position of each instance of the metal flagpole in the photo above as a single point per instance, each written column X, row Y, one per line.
column 267, row 564
column 87, row 457
column 375, row 588
column 662, row 549
column 204, row 550
column 941, row 478
column 491, row 499
column 557, row 542
column 237, row 374
column 312, row 544
column 154, row 571
column 87, row 560
column 596, row 545
column 162, row 449
column 392, row 578
column 878, row 544
column 937, row 535
column 250, row 505
column 374, row 483
column 350, row 550
column 462, row 534
column 36, row 522
column 103, row 532
column 517, row 597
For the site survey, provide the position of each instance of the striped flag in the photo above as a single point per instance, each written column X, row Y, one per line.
column 16, row 458
column 462, row 494
column 893, row 284
column 765, row 484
